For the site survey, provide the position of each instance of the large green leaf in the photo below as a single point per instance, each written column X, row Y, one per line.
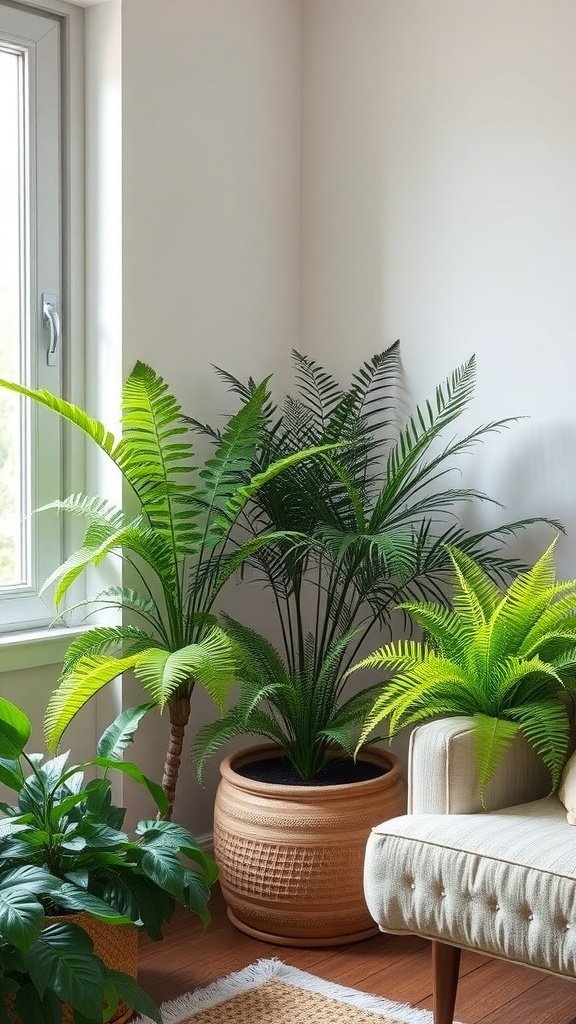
column 32, row 879
column 62, row 960
column 11, row 774
column 140, row 899
column 136, row 773
column 129, row 991
column 71, row 897
column 15, row 730
column 163, row 867
column 120, row 733
column 171, row 836
column 21, row 916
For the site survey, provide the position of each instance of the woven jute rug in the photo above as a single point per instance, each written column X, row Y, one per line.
column 270, row 992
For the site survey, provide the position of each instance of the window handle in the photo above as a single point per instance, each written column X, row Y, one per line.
column 51, row 320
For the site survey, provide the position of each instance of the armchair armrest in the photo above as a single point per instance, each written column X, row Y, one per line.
column 442, row 775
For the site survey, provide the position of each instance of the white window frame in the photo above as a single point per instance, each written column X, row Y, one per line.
column 51, row 32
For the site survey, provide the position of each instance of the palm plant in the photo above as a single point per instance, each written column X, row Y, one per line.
column 506, row 657
column 179, row 544
column 377, row 516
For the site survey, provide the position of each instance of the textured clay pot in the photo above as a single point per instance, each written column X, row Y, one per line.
column 291, row 858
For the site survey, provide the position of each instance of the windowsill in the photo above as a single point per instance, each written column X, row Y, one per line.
column 36, row 648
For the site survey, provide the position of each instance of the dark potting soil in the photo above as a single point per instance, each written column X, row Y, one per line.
column 279, row 772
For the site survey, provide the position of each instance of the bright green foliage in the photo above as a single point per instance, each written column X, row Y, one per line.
column 374, row 519
column 63, row 850
column 181, row 545
column 505, row 657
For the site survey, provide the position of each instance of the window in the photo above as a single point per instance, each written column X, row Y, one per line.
column 30, row 307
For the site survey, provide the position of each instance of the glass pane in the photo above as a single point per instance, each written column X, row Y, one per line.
column 12, row 328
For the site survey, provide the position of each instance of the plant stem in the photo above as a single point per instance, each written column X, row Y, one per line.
column 179, row 712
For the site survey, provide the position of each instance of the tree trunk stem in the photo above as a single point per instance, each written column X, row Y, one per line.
column 179, row 711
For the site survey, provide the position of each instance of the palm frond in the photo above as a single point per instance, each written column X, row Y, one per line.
column 212, row 662
column 103, row 639
column 91, row 507
column 93, row 428
column 84, row 680
column 154, row 457
column 319, row 390
column 223, row 473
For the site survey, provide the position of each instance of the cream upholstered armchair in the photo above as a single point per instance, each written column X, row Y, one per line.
column 502, row 883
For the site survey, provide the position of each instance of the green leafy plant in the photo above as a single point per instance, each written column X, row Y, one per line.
column 377, row 516
column 62, row 852
column 180, row 545
column 506, row 657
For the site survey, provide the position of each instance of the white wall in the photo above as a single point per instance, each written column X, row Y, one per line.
column 427, row 152
column 210, row 220
column 210, row 163
column 439, row 159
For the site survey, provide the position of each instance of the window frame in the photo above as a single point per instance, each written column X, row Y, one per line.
column 27, row 612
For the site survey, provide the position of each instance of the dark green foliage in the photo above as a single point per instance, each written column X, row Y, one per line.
column 63, row 850
column 374, row 520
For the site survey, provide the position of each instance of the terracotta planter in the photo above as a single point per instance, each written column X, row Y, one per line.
column 117, row 947
column 291, row 858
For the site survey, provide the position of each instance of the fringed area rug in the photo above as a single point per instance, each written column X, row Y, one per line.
column 270, row 992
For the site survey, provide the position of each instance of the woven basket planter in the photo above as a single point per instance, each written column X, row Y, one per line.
column 117, row 947
column 291, row 858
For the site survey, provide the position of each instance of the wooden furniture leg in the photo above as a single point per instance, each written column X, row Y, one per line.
column 445, row 965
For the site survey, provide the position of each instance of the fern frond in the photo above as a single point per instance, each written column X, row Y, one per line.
column 401, row 655
column 91, row 507
column 492, row 738
column 546, row 726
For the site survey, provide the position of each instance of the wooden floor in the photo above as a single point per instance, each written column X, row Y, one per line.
column 490, row 991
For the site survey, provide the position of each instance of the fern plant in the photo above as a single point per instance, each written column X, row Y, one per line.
column 179, row 545
column 506, row 657
column 376, row 516
column 303, row 712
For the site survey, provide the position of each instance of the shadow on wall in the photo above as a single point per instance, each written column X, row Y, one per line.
column 536, row 477
column 541, row 476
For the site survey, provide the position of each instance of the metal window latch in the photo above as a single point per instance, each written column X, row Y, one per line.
column 51, row 320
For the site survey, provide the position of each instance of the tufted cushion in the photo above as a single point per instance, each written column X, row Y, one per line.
column 503, row 883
